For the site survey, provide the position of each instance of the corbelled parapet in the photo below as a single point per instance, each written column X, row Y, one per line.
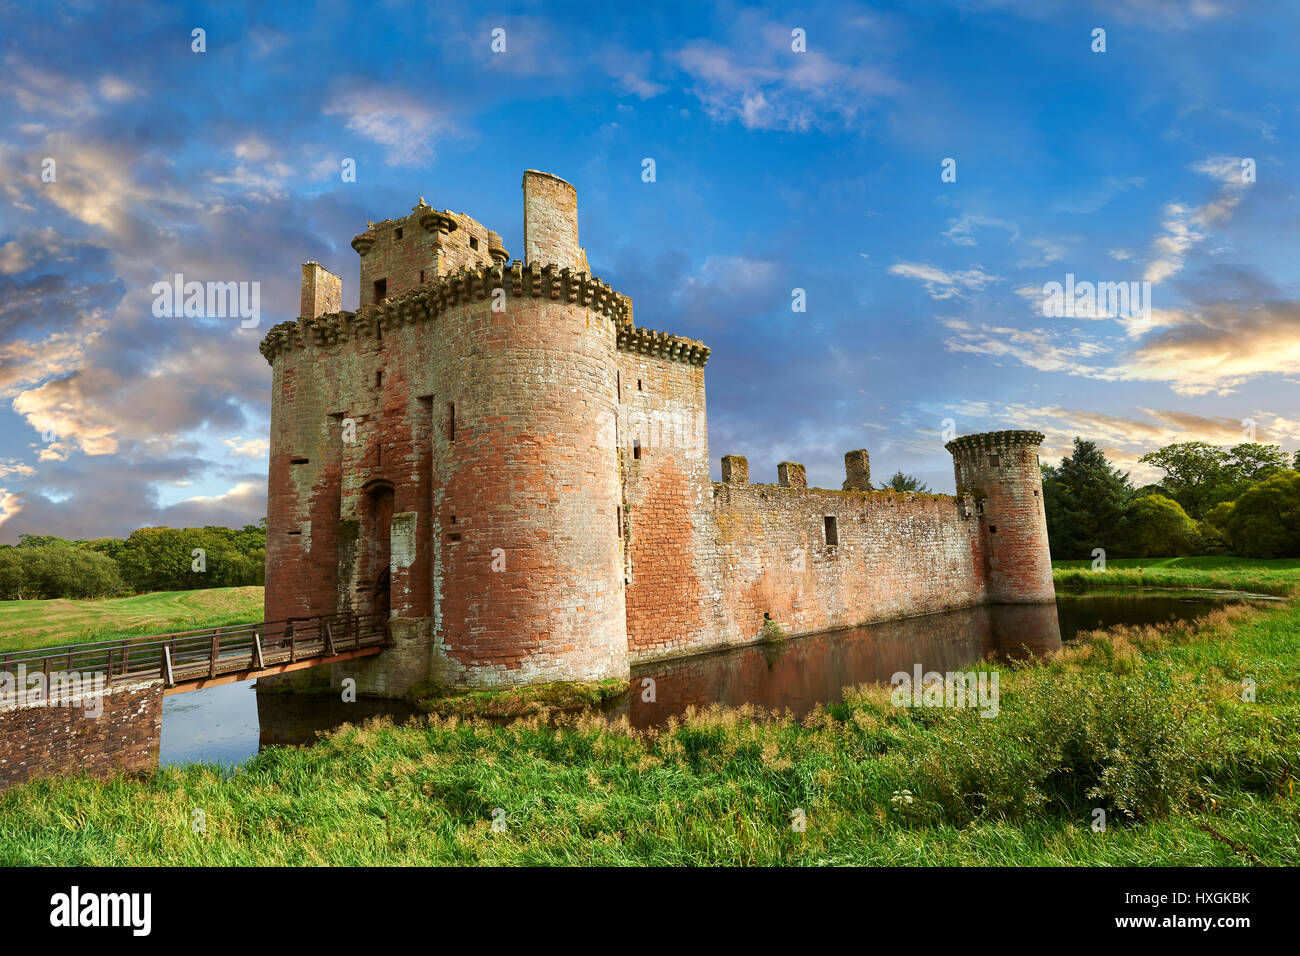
column 735, row 470
column 791, row 474
column 662, row 344
column 1004, row 439
column 464, row 285
column 857, row 470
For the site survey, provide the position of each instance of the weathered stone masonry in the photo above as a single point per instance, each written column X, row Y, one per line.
column 494, row 454
column 71, row 736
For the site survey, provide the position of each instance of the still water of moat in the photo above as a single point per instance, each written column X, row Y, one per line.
column 229, row 724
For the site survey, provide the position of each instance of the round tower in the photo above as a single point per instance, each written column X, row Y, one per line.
column 1001, row 471
column 528, row 561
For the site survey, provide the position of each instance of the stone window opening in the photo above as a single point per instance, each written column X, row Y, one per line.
column 451, row 421
column 379, row 379
column 473, row 242
column 299, row 461
column 636, row 448
column 638, row 385
column 993, row 460
column 397, row 233
column 381, row 290
column 421, row 277
column 832, row 533
column 993, row 529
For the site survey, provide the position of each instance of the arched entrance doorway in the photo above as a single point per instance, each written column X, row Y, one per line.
column 374, row 584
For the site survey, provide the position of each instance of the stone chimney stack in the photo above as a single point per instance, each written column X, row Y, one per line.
column 551, row 222
column 857, row 470
column 322, row 291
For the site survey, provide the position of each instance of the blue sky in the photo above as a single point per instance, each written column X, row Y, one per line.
column 775, row 170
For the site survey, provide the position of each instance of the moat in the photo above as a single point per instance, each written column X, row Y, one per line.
column 229, row 724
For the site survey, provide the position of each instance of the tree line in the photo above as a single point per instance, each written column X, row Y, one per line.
column 149, row 559
column 1243, row 500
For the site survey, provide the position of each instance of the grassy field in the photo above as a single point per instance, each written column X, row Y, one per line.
column 26, row 624
column 1279, row 576
column 1146, row 723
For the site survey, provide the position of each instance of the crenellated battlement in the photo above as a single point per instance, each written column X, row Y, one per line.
column 465, row 285
column 662, row 345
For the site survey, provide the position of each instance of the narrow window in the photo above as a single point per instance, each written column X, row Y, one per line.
column 473, row 242
column 636, row 448
column 295, row 532
column 993, row 529
column 453, row 519
column 451, row 421
column 379, row 379
column 397, row 233
column 299, row 461
column 381, row 290
column 638, row 385
column 421, row 277
column 993, row 461
column 832, row 535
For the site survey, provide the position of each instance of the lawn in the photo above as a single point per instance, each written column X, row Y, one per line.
column 27, row 624
column 1278, row 576
column 1149, row 724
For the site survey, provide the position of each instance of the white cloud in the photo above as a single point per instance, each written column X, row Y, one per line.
column 940, row 284
column 247, row 448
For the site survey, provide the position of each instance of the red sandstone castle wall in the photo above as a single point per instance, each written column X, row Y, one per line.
column 667, row 499
column 768, row 554
column 48, row 741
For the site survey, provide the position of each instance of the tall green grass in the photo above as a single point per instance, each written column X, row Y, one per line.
column 1146, row 723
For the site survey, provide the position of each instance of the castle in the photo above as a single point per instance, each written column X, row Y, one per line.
column 494, row 455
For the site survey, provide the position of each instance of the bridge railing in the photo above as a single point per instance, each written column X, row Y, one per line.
column 206, row 653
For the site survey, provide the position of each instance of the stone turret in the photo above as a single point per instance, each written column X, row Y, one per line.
column 1001, row 471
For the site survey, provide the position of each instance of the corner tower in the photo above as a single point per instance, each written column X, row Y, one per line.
column 1001, row 471
column 447, row 455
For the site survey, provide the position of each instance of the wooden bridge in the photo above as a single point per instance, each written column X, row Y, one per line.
column 190, row 660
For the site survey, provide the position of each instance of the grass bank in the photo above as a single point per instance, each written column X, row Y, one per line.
column 27, row 624
column 1148, row 724
column 1278, row 576
column 535, row 699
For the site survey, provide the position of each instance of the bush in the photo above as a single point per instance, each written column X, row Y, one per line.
column 1128, row 738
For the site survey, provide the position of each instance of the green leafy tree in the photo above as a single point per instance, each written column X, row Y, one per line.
column 38, row 540
column 902, row 482
column 1084, row 499
column 1249, row 464
column 57, row 571
column 1156, row 527
column 1196, row 474
column 1265, row 521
